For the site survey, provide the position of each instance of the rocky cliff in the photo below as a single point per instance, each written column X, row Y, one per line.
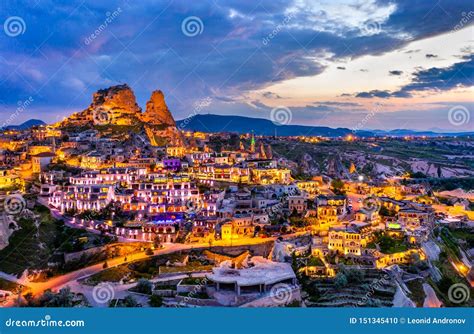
column 117, row 105
column 157, row 112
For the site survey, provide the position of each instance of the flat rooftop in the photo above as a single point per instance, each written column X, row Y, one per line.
column 260, row 271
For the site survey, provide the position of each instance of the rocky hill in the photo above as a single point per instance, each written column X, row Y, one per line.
column 116, row 106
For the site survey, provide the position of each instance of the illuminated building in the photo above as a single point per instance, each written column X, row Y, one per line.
column 8, row 178
column 40, row 161
column 405, row 257
column 297, row 203
column 347, row 241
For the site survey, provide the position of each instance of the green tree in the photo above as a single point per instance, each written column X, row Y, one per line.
column 144, row 286
column 337, row 186
column 155, row 301
column 340, row 281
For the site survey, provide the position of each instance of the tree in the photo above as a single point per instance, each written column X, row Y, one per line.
column 155, row 301
column 340, row 281
column 355, row 276
column 106, row 265
column 144, row 286
column 337, row 186
column 129, row 301
column 64, row 298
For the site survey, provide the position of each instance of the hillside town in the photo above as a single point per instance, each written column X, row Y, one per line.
column 115, row 206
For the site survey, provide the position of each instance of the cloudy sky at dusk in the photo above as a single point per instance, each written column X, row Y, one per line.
column 381, row 64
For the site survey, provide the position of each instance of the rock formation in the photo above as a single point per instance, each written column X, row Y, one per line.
column 117, row 105
column 157, row 111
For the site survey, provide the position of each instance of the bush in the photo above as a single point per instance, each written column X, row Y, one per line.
column 144, row 286
column 155, row 301
column 340, row 281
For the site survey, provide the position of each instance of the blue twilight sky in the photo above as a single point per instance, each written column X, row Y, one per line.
column 372, row 64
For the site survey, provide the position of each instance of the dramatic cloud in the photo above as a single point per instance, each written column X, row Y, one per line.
column 71, row 49
column 395, row 72
column 270, row 95
column 433, row 79
column 374, row 93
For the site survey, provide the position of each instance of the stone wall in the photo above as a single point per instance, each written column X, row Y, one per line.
column 106, row 252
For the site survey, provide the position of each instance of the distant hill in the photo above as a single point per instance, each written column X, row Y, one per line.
column 405, row 132
column 240, row 124
column 26, row 125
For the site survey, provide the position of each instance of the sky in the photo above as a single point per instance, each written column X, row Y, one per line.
column 360, row 64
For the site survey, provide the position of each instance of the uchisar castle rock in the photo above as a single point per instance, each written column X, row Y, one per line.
column 116, row 108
